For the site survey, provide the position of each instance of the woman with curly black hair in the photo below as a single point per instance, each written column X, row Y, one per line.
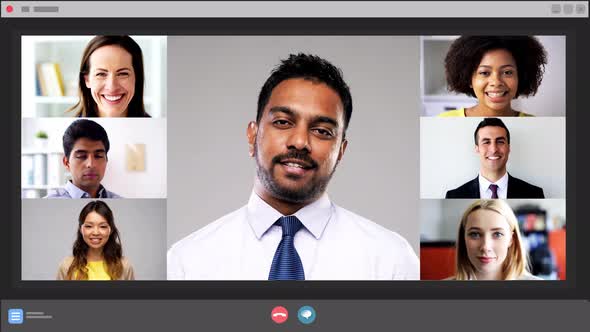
column 495, row 70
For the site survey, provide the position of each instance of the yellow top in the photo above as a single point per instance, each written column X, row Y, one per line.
column 461, row 113
column 97, row 271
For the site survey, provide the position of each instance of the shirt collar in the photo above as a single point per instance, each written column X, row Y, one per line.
column 502, row 182
column 76, row 192
column 315, row 216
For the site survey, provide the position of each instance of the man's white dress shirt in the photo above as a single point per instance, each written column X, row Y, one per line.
column 334, row 244
column 486, row 192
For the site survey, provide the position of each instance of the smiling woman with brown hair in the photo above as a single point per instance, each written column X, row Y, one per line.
column 111, row 79
column 495, row 70
column 97, row 253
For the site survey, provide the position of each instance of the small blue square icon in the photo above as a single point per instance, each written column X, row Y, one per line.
column 15, row 316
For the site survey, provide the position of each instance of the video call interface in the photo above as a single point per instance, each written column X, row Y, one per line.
column 297, row 164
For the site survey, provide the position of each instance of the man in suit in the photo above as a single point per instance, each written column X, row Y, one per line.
column 492, row 144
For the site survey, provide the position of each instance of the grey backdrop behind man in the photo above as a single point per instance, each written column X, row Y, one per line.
column 49, row 231
column 213, row 90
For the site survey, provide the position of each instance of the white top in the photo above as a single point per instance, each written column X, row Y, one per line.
column 334, row 244
column 484, row 187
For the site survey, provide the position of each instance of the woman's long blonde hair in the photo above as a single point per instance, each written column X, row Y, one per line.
column 516, row 263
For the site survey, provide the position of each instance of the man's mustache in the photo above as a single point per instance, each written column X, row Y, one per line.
column 296, row 155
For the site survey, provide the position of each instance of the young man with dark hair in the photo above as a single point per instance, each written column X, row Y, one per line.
column 85, row 145
column 290, row 229
column 492, row 143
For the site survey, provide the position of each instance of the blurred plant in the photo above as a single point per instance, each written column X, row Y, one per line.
column 41, row 134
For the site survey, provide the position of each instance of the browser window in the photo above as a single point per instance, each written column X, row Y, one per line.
column 293, row 164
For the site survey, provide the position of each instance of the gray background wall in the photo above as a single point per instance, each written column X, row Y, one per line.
column 550, row 98
column 49, row 230
column 213, row 89
column 448, row 158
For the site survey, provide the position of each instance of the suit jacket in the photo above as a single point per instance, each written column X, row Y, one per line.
column 516, row 189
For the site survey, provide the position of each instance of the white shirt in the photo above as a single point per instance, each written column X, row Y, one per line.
column 334, row 244
column 486, row 192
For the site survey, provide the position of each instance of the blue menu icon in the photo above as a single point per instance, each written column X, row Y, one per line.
column 15, row 316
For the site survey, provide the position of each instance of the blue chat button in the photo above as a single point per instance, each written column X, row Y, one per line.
column 306, row 314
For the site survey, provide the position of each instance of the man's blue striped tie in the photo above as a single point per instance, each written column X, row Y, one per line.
column 286, row 265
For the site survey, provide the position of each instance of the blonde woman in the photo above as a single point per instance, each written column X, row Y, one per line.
column 489, row 244
column 97, row 253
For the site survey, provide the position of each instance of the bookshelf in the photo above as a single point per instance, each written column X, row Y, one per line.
column 66, row 52
column 433, row 85
column 42, row 170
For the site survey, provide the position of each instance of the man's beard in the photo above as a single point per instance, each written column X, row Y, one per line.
column 308, row 192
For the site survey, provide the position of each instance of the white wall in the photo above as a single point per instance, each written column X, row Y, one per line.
column 152, row 132
column 448, row 158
